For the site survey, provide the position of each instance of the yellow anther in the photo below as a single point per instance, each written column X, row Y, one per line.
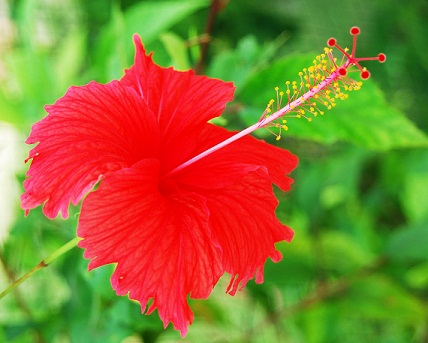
column 314, row 87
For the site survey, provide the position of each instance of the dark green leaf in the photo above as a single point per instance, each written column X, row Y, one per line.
column 409, row 244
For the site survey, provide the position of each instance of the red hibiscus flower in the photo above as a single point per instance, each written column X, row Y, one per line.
column 171, row 235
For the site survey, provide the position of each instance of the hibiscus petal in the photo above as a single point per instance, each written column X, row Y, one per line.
column 182, row 101
column 242, row 217
column 237, row 182
column 162, row 245
column 90, row 131
column 231, row 163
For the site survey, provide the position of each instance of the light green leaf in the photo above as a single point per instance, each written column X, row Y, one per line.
column 69, row 58
column 364, row 119
column 149, row 19
column 414, row 197
column 176, row 48
column 10, row 111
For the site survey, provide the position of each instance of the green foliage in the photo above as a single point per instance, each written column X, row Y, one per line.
column 357, row 269
column 364, row 119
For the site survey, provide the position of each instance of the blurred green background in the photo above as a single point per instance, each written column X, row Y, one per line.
column 357, row 269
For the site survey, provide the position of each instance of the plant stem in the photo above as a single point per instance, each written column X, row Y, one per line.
column 215, row 7
column 44, row 263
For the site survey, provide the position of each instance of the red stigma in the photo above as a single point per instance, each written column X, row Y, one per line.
column 365, row 74
column 352, row 60
column 342, row 71
column 355, row 30
column 331, row 42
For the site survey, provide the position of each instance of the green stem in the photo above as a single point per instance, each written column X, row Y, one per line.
column 44, row 263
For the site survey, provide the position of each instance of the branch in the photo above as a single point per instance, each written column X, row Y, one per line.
column 216, row 6
column 44, row 263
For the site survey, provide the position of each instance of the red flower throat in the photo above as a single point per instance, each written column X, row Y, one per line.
column 172, row 216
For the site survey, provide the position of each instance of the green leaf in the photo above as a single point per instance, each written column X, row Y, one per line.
column 32, row 71
column 236, row 65
column 240, row 64
column 10, row 111
column 176, row 48
column 414, row 196
column 409, row 244
column 149, row 19
column 343, row 252
column 417, row 276
column 70, row 58
column 364, row 119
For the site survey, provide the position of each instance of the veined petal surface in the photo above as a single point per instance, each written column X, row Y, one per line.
column 90, row 131
column 182, row 101
column 163, row 245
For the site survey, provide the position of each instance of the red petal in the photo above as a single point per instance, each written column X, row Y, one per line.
column 182, row 101
column 231, row 163
column 237, row 182
column 243, row 220
column 90, row 131
column 162, row 246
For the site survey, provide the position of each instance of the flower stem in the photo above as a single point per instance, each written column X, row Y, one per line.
column 44, row 263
